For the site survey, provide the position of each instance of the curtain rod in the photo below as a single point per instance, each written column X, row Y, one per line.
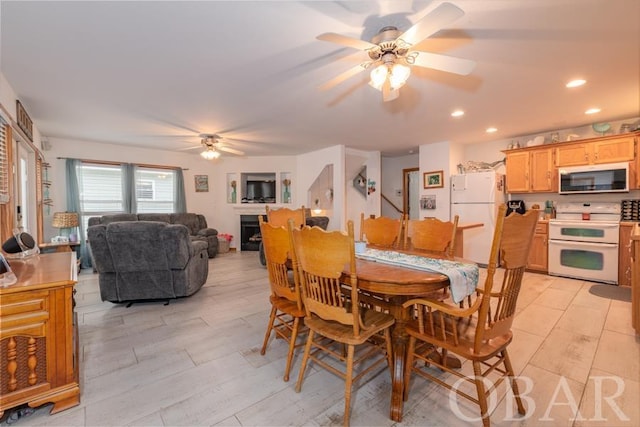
column 105, row 162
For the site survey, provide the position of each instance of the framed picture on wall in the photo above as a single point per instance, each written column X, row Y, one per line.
column 202, row 183
column 434, row 179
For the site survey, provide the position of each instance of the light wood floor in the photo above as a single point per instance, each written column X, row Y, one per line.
column 197, row 362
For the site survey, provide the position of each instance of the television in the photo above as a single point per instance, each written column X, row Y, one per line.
column 260, row 191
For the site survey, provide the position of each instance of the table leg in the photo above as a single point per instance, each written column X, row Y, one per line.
column 399, row 338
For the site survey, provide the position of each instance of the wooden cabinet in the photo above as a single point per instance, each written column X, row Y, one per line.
column 538, row 254
column 531, row 170
column 38, row 334
column 624, row 254
column 612, row 149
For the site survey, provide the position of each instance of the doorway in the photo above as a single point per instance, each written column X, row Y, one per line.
column 25, row 218
column 411, row 192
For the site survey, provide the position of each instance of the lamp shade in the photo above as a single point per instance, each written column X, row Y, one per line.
column 65, row 220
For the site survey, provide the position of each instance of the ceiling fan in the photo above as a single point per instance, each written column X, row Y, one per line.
column 213, row 146
column 391, row 55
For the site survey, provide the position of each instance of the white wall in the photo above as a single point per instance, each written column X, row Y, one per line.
column 309, row 166
column 391, row 177
column 436, row 157
column 355, row 202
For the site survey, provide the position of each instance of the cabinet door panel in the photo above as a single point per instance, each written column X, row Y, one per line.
column 572, row 155
column 614, row 150
column 543, row 172
column 517, row 166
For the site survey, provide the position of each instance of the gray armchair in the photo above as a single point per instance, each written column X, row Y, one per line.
column 145, row 260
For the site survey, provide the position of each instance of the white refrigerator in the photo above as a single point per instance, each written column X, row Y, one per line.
column 475, row 198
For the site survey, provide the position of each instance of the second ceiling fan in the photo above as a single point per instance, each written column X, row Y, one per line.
column 391, row 54
column 213, row 146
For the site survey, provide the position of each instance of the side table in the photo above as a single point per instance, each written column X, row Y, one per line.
column 62, row 247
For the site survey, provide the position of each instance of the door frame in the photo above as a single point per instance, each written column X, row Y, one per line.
column 405, row 189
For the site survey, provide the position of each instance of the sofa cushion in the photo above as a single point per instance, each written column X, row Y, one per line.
column 190, row 220
column 158, row 217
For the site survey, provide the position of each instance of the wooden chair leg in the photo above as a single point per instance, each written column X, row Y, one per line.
column 482, row 396
column 272, row 318
column 408, row 367
column 514, row 385
column 347, row 385
column 292, row 347
column 305, row 359
column 387, row 337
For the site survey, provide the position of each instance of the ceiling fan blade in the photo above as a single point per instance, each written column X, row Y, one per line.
column 387, row 93
column 346, row 41
column 190, row 148
column 446, row 63
column 431, row 23
column 343, row 76
column 230, row 150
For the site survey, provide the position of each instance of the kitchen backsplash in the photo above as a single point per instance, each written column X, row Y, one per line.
column 541, row 198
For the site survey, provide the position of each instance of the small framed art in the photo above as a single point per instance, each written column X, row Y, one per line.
column 202, row 183
column 434, row 179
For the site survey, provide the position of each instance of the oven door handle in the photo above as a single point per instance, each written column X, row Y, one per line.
column 586, row 244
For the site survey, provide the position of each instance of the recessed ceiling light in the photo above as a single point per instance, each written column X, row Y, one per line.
column 492, row 130
column 576, row 83
column 457, row 113
column 592, row 111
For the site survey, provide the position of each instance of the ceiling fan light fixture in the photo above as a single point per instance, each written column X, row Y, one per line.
column 378, row 76
column 399, row 75
column 210, row 153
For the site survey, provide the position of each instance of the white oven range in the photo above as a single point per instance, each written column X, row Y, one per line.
column 583, row 241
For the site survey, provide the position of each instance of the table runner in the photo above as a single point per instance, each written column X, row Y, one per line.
column 463, row 277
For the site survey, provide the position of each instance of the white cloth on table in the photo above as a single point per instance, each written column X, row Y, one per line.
column 463, row 277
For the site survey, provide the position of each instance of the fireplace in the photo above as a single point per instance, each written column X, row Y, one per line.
column 250, row 233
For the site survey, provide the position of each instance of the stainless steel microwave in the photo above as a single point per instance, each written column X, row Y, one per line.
column 604, row 178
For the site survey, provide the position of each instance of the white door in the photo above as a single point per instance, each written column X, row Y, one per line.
column 477, row 241
column 25, row 194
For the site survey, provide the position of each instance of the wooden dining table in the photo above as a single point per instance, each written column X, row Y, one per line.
column 398, row 284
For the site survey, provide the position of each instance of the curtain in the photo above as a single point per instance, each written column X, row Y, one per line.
column 180, row 199
column 130, row 203
column 73, row 184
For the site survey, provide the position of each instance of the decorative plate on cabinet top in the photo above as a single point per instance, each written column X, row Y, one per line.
column 601, row 127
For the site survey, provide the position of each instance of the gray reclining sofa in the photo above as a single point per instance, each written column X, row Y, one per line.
column 145, row 260
column 195, row 223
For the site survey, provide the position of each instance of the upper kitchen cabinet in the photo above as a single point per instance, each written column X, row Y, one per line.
column 612, row 149
column 531, row 170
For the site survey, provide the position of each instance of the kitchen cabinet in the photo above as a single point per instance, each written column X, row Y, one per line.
column 538, row 253
column 612, row 149
column 39, row 335
column 531, row 171
column 624, row 254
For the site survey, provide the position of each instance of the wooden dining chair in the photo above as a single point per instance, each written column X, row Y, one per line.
column 280, row 217
column 480, row 333
column 431, row 234
column 381, row 231
column 286, row 300
column 319, row 259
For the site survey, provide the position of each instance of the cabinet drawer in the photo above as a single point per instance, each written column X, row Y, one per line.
column 24, row 313
column 542, row 228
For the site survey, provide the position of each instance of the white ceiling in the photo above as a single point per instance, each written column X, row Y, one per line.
column 158, row 73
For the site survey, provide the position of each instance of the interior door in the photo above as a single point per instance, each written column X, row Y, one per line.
column 411, row 191
column 25, row 218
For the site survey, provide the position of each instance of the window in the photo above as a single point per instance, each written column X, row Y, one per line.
column 155, row 190
column 102, row 190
